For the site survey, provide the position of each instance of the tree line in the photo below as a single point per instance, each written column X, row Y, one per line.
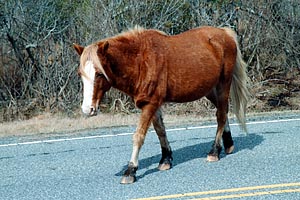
column 38, row 66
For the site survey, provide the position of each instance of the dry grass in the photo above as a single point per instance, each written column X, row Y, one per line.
column 174, row 114
column 48, row 124
column 57, row 124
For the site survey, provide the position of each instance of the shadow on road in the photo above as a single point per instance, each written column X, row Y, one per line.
column 196, row 151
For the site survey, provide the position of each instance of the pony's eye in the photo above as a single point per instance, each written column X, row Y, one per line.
column 99, row 75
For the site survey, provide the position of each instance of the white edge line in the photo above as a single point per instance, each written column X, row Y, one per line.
column 125, row 134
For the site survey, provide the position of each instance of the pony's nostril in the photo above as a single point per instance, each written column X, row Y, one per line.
column 93, row 111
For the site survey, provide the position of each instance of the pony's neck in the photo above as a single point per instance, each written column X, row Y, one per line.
column 124, row 55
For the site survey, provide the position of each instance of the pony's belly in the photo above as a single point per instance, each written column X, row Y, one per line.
column 181, row 96
column 190, row 89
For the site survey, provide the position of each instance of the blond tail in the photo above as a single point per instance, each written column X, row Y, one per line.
column 239, row 92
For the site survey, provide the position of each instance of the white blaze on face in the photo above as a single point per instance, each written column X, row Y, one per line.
column 88, row 87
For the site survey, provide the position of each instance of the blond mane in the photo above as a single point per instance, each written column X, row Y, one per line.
column 90, row 54
column 133, row 31
column 136, row 30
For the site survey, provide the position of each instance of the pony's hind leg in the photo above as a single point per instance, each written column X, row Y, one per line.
column 227, row 138
column 220, row 100
column 214, row 153
column 165, row 162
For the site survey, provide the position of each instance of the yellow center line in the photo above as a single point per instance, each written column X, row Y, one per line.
column 173, row 196
column 232, row 196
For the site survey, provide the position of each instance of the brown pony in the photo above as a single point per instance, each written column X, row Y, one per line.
column 154, row 68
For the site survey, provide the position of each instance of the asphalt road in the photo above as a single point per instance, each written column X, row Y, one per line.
column 265, row 164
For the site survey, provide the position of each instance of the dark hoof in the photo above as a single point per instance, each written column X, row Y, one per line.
column 229, row 150
column 214, row 153
column 128, row 179
column 212, row 158
column 164, row 166
column 165, row 163
column 129, row 174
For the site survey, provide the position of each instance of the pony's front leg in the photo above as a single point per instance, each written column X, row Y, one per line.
column 165, row 162
column 138, row 140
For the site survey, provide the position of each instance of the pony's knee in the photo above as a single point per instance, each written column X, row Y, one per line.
column 138, row 139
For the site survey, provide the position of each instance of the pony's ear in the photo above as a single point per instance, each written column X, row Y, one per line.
column 79, row 49
column 103, row 47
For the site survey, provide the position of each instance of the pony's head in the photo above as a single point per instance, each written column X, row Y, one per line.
column 94, row 78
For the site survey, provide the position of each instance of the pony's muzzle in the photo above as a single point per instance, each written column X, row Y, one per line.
column 89, row 111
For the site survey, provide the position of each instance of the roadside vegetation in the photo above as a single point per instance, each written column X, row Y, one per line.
column 38, row 66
